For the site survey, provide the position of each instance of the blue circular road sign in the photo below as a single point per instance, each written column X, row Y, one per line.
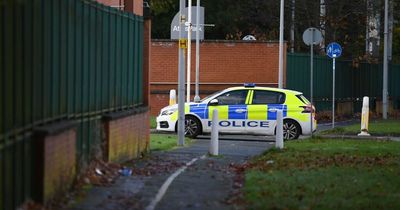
column 334, row 50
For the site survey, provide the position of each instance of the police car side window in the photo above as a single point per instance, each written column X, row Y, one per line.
column 268, row 97
column 233, row 97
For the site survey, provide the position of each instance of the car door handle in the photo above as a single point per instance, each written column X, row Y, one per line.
column 240, row 110
column 273, row 110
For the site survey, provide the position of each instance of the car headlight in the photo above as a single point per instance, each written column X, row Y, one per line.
column 168, row 111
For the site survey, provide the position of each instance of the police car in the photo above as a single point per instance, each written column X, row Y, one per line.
column 244, row 110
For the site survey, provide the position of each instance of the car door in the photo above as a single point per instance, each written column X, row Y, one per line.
column 262, row 111
column 232, row 111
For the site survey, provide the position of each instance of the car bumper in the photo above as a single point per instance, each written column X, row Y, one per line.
column 306, row 127
column 165, row 123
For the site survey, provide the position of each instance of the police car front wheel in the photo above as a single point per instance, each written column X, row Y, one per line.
column 192, row 127
column 291, row 130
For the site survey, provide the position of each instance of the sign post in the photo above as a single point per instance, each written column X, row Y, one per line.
column 311, row 37
column 334, row 50
column 181, row 76
column 189, row 51
column 196, row 25
column 196, row 96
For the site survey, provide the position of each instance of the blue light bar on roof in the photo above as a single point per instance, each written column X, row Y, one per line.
column 249, row 85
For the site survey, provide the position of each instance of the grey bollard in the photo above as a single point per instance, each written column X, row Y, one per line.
column 279, row 130
column 365, row 117
column 172, row 97
column 213, row 150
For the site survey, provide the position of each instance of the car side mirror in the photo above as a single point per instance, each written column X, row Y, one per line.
column 213, row 102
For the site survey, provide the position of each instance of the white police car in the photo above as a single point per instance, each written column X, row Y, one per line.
column 244, row 110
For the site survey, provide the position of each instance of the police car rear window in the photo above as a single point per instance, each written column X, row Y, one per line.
column 302, row 99
column 268, row 97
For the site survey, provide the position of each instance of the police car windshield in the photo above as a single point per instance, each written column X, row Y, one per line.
column 211, row 96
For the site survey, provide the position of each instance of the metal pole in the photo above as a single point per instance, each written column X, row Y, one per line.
column 333, row 94
column 292, row 27
column 390, row 32
column 280, row 80
column 311, row 77
column 322, row 23
column 279, row 130
column 213, row 150
column 385, row 66
column 197, row 97
column 189, row 51
column 367, row 29
column 181, row 78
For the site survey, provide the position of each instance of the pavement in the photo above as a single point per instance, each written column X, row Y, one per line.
column 186, row 178
column 208, row 183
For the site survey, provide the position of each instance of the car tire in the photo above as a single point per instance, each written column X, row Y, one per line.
column 192, row 127
column 291, row 130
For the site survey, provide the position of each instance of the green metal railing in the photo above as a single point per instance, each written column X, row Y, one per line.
column 61, row 60
column 352, row 83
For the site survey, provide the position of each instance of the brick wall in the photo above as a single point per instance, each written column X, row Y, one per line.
column 126, row 135
column 112, row 3
column 55, row 160
column 222, row 64
column 134, row 6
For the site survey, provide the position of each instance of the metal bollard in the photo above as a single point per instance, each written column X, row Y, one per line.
column 213, row 150
column 279, row 130
column 364, row 117
column 172, row 97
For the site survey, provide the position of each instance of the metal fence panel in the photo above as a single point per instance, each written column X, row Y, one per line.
column 61, row 59
column 394, row 85
column 352, row 83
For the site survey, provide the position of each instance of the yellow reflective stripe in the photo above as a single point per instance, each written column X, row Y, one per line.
column 292, row 99
column 249, row 97
column 174, row 116
column 222, row 112
column 257, row 112
column 294, row 111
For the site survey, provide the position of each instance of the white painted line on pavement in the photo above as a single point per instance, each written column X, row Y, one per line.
column 164, row 187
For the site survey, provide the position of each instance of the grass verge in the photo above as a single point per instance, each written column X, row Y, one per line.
column 153, row 122
column 376, row 127
column 326, row 174
column 165, row 141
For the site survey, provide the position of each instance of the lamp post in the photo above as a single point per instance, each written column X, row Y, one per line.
column 280, row 78
column 181, row 76
column 197, row 97
column 189, row 51
column 385, row 65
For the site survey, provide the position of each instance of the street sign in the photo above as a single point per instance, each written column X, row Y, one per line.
column 334, row 50
column 175, row 28
column 312, row 35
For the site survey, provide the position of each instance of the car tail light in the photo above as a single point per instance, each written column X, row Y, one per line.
column 308, row 109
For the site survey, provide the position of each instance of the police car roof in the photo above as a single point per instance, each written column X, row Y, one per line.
column 266, row 88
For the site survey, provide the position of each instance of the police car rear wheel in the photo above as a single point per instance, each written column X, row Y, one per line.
column 192, row 127
column 291, row 130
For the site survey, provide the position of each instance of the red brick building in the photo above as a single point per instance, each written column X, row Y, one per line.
column 222, row 64
column 134, row 6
